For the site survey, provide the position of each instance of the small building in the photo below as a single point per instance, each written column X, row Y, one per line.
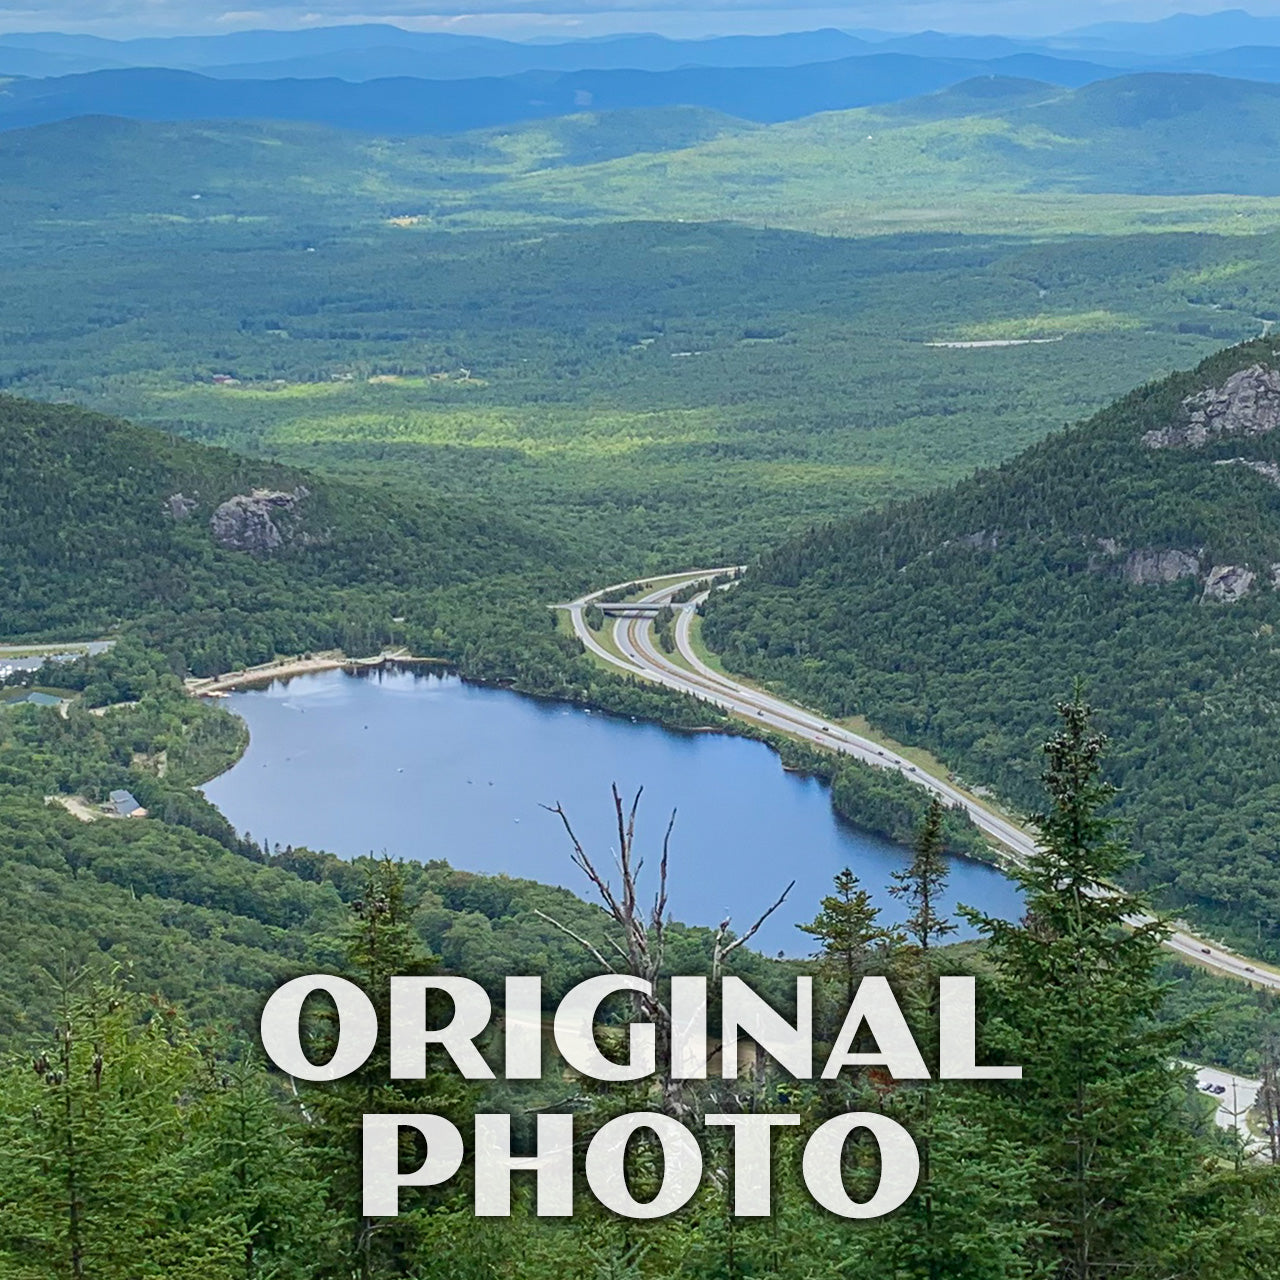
column 34, row 699
column 123, row 805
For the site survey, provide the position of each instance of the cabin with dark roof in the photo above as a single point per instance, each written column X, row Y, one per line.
column 123, row 805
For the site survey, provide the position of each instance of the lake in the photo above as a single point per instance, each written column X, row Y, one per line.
column 422, row 765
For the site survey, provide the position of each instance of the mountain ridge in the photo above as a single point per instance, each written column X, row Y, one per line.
column 1140, row 551
column 407, row 106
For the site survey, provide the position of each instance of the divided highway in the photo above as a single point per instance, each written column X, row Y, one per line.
column 636, row 653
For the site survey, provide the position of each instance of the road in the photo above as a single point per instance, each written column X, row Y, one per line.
column 1238, row 1097
column 638, row 654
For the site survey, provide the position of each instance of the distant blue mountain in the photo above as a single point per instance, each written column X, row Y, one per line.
column 414, row 106
column 374, row 51
column 1232, row 43
column 378, row 50
column 1256, row 63
column 1182, row 35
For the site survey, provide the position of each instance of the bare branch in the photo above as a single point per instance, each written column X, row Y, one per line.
column 721, row 954
column 584, row 863
column 577, row 938
column 660, row 900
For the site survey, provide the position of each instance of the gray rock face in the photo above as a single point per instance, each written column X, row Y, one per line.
column 1268, row 469
column 1152, row 564
column 1247, row 404
column 253, row 521
column 1228, row 583
column 179, row 507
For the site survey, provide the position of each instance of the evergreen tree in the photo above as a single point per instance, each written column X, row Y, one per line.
column 847, row 928
column 1100, row 1103
column 922, row 884
column 380, row 943
column 104, row 1173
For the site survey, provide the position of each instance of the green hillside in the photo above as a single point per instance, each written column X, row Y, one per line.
column 1127, row 552
column 106, row 522
column 1136, row 153
column 656, row 393
column 124, row 171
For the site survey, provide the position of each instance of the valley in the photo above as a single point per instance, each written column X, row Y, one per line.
column 633, row 649
column 339, row 366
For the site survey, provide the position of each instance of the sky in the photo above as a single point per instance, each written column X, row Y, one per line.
column 526, row 19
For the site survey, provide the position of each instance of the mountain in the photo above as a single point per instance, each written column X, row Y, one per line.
column 1253, row 62
column 447, row 57
column 1158, row 136
column 37, row 62
column 1139, row 552
column 1181, row 35
column 350, row 51
column 226, row 559
column 413, row 106
column 307, row 176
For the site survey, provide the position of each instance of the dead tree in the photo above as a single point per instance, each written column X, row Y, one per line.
column 643, row 948
column 1269, row 1095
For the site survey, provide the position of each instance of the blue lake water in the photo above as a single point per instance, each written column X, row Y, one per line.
column 423, row 766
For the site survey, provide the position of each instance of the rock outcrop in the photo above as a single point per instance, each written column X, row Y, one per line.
column 1247, row 404
column 1268, row 469
column 1228, row 583
column 179, row 507
column 983, row 540
column 1152, row 564
column 257, row 522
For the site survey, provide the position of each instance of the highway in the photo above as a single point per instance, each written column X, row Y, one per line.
column 638, row 654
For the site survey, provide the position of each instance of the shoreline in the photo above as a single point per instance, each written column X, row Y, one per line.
column 287, row 668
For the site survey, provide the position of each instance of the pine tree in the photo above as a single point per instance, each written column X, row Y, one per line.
column 922, row 884
column 104, row 1173
column 847, row 928
column 1099, row 1106
column 380, row 943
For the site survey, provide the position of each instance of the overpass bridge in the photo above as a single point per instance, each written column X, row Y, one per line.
column 635, row 608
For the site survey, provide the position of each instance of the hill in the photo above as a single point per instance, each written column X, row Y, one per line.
column 996, row 153
column 1139, row 552
column 999, row 153
column 226, row 559
column 305, row 175
column 406, row 105
column 1179, row 34
column 354, row 50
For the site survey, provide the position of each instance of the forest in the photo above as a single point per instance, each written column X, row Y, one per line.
column 407, row 394
column 142, row 1138
column 950, row 620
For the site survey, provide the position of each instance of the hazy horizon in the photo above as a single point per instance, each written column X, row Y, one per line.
column 585, row 19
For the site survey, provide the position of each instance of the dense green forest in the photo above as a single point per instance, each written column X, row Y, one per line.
column 137, row 1140
column 1145, row 568
column 650, row 390
column 112, row 527
column 411, row 393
